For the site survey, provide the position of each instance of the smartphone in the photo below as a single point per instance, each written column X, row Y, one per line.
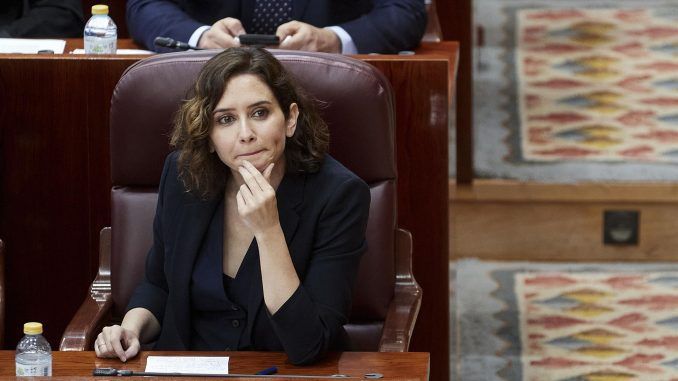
column 259, row 39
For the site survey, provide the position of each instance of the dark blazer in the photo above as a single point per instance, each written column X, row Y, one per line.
column 41, row 18
column 376, row 26
column 323, row 216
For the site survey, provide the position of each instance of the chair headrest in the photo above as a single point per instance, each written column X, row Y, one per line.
column 359, row 109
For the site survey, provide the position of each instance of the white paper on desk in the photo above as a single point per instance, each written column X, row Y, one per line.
column 119, row 51
column 187, row 364
column 30, row 46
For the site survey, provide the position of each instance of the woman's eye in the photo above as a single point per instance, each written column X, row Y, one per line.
column 225, row 119
column 260, row 113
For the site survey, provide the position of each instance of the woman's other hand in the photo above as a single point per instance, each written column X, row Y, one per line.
column 257, row 205
column 116, row 341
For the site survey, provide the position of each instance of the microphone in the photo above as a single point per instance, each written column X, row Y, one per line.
column 171, row 43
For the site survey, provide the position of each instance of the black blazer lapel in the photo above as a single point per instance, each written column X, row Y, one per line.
column 194, row 222
column 290, row 194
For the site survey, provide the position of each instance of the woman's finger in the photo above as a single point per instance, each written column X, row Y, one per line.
column 260, row 179
column 246, row 194
column 249, row 179
column 267, row 173
column 108, row 336
column 117, row 349
column 98, row 344
column 133, row 347
column 243, row 208
column 107, row 349
column 240, row 202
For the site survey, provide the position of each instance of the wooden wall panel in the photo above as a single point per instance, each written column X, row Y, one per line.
column 456, row 23
column 54, row 193
column 421, row 143
column 541, row 222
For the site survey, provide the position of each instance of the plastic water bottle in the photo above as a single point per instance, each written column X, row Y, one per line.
column 101, row 33
column 33, row 353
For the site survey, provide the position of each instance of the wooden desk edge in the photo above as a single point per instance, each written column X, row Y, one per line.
column 393, row 365
column 443, row 50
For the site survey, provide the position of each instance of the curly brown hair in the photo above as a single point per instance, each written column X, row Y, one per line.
column 201, row 171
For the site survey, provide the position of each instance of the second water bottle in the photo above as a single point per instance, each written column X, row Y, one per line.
column 101, row 33
column 33, row 353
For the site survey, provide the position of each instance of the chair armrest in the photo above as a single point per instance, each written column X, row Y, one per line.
column 404, row 308
column 95, row 311
column 86, row 324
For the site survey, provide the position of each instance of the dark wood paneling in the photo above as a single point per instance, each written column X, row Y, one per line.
column 421, row 147
column 456, row 22
column 54, row 194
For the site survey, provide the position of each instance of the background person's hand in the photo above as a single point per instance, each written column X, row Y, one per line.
column 116, row 341
column 222, row 34
column 256, row 200
column 304, row 36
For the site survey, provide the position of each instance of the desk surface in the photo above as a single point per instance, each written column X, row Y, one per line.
column 126, row 43
column 401, row 366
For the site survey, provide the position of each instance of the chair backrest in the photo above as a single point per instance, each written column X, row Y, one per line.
column 360, row 114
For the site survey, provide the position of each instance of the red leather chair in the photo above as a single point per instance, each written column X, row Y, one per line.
column 361, row 116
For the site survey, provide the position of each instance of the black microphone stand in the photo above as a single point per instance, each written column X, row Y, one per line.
column 167, row 42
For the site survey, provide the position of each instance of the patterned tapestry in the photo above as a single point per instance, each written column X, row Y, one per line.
column 597, row 84
column 598, row 326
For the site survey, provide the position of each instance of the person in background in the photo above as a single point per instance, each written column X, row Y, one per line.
column 41, row 18
column 258, row 232
column 334, row 26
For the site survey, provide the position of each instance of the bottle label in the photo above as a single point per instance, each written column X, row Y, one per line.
column 33, row 370
column 100, row 45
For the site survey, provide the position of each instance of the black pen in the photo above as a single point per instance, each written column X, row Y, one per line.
column 271, row 370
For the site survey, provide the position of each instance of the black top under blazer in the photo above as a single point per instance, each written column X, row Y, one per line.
column 323, row 216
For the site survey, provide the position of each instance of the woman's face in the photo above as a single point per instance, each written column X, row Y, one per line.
column 248, row 124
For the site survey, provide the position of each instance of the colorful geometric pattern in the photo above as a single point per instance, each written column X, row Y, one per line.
column 597, row 84
column 598, row 326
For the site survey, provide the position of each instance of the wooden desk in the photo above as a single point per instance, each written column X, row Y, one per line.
column 394, row 366
column 456, row 23
column 55, row 181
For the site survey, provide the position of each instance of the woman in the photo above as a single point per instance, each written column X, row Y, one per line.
column 258, row 232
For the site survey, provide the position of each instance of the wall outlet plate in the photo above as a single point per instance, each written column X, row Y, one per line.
column 620, row 227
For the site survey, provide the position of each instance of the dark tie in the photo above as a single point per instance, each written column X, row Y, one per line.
column 269, row 14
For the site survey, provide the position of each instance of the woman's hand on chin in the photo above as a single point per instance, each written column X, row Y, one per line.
column 257, row 205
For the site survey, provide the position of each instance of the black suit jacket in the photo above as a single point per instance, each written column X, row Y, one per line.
column 323, row 216
column 376, row 26
column 41, row 18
